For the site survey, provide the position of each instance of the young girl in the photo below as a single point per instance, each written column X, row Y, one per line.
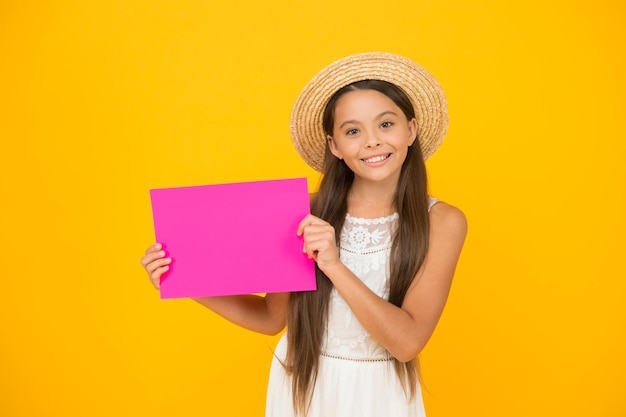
column 385, row 251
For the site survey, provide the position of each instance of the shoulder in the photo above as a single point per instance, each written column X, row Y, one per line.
column 448, row 219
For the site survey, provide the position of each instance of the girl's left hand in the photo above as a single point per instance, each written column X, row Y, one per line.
column 319, row 241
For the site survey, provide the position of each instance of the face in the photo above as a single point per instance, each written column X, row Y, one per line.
column 372, row 135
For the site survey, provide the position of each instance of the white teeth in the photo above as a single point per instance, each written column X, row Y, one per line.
column 376, row 159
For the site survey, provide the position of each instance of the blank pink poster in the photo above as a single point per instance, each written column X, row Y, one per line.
column 235, row 238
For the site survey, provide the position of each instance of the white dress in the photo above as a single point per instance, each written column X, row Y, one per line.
column 356, row 374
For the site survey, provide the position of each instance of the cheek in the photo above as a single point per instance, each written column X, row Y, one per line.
column 351, row 147
column 403, row 148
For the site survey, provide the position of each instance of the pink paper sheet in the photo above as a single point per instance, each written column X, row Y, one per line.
column 235, row 238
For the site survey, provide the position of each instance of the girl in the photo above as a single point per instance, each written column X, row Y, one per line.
column 385, row 251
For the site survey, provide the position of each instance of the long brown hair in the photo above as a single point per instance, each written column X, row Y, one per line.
column 308, row 310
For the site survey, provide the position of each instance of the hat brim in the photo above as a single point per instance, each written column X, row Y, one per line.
column 424, row 91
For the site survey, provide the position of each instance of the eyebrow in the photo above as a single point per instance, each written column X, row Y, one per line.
column 379, row 116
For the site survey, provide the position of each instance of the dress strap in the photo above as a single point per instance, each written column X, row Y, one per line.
column 431, row 202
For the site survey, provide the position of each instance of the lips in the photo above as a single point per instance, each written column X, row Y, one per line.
column 377, row 158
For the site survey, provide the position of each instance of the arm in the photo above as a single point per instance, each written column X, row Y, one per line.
column 403, row 331
column 266, row 315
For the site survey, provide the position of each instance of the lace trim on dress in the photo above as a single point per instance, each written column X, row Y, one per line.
column 366, row 252
column 378, row 220
column 382, row 220
column 344, row 358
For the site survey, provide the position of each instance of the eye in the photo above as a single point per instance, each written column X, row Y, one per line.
column 351, row 132
column 386, row 124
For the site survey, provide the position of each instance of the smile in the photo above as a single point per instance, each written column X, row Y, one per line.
column 378, row 158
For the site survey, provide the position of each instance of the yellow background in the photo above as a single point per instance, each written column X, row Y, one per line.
column 102, row 100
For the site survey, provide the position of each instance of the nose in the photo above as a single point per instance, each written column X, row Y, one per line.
column 372, row 140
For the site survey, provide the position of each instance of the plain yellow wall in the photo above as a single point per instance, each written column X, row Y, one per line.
column 102, row 100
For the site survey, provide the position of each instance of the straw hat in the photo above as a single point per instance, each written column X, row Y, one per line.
column 420, row 86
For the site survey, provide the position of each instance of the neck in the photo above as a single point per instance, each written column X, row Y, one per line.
column 371, row 200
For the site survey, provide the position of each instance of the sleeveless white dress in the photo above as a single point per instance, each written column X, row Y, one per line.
column 356, row 374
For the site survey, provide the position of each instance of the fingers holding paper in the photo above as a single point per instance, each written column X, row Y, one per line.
column 156, row 264
column 319, row 241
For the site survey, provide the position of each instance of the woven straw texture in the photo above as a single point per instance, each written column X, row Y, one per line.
column 421, row 87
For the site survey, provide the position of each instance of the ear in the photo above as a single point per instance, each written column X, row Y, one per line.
column 332, row 145
column 412, row 131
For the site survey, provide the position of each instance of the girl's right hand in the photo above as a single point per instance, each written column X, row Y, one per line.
column 155, row 264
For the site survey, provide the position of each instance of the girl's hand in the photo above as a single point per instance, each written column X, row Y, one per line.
column 155, row 264
column 319, row 241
